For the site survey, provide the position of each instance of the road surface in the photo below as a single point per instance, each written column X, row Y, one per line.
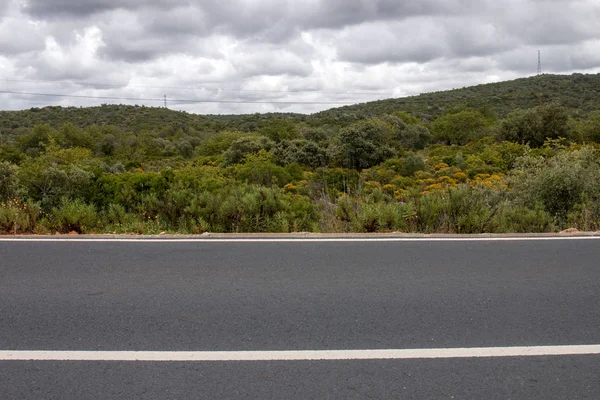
column 207, row 299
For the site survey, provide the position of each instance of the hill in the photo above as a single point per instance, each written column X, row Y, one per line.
column 131, row 118
column 579, row 93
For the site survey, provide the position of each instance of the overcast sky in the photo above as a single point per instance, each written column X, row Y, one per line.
column 282, row 51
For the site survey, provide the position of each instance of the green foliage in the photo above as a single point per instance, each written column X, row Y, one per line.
column 588, row 130
column 219, row 143
column 362, row 145
column 461, row 127
column 535, row 126
column 279, row 129
column 318, row 135
column 56, row 173
column 11, row 153
column 33, row 142
column 73, row 215
column 407, row 118
column 259, row 169
column 16, row 217
column 9, row 181
column 70, row 135
column 559, row 183
column 302, row 152
column 332, row 181
column 577, row 92
column 245, row 146
column 383, row 217
column 585, row 215
column 430, row 163
column 414, row 137
column 248, row 208
column 407, row 165
column 461, row 210
column 520, row 219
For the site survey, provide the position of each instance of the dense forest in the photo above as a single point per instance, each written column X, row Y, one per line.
column 517, row 156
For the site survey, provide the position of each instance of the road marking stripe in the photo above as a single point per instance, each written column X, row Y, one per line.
column 302, row 355
column 299, row 240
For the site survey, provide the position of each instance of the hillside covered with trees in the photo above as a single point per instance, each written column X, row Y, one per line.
column 489, row 158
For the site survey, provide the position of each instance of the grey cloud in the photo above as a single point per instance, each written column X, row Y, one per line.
column 417, row 40
column 475, row 39
column 3, row 9
column 535, row 23
column 249, row 17
column 126, row 37
column 313, row 49
column 556, row 23
column 272, row 62
column 179, row 20
column 78, row 8
column 28, row 39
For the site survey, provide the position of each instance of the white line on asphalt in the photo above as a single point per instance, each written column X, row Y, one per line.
column 302, row 355
column 300, row 240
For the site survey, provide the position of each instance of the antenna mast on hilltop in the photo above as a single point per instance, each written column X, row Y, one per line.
column 165, row 101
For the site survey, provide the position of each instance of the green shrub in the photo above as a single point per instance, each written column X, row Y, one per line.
column 116, row 214
column 9, row 181
column 249, row 208
column 463, row 209
column 512, row 218
column 585, row 216
column 73, row 215
column 384, row 217
column 558, row 183
column 461, row 127
column 363, row 145
column 535, row 125
column 16, row 217
column 244, row 146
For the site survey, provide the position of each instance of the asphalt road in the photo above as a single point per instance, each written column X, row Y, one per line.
column 226, row 296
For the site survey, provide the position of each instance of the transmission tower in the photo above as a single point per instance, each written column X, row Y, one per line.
column 539, row 63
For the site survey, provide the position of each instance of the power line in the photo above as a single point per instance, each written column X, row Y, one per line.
column 173, row 100
column 92, row 84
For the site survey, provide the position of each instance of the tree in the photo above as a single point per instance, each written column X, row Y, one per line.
column 561, row 182
column 535, row 125
column 71, row 136
column 219, row 143
column 303, row 152
column 9, row 181
column 414, row 137
column 279, row 129
column 363, row 144
column 246, row 145
column 589, row 129
column 33, row 143
column 460, row 127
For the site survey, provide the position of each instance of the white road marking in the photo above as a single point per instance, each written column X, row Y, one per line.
column 301, row 240
column 302, row 355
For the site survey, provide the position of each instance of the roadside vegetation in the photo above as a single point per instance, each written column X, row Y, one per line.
column 504, row 165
